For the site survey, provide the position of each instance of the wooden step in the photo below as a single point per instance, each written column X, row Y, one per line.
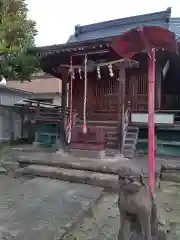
column 111, row 145
column 111, row 130
column 100, row 123
column 111, row 138
column 104, row 116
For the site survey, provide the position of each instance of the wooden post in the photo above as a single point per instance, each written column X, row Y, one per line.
column 121, row 96
column 22, row 113
column 11, row 126
column 64, row 92
column 151, row 131
column 37, row 124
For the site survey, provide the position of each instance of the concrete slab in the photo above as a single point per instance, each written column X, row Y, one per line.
column 42, row 209
column 10, row 165
column 3, row 170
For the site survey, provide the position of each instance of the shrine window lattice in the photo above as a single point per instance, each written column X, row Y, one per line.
column 139, row 81
column 106, row 88
column 142, row 87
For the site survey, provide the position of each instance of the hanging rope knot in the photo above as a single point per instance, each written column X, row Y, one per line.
column 84, row 129
column 150, row 54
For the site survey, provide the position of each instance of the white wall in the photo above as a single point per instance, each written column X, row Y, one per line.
column 10, row 118
column 10, row 98
column 10, row 121
column 159, row 118
column 57, row 100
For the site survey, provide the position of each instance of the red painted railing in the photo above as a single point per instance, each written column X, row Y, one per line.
column 68, row 127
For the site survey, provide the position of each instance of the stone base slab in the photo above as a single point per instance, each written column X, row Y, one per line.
column 109, row 181
column 36, row 144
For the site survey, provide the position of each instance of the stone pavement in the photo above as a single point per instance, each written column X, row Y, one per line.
column 42, row 209
column 102, row 224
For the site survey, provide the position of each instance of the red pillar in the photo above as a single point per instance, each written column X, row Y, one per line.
column 151, row 130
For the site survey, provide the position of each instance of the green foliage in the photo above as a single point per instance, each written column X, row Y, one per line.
column 17, row 34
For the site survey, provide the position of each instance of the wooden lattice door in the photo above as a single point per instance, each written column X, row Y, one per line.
column 106, row 95
column 137, row 92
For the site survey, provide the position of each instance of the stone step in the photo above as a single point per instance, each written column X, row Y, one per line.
column 129, row 146
column 131, row 135
column 128, row 153
column 133, row 129
column 130, row 141
column 72, row 175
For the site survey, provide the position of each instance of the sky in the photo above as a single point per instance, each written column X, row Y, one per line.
column 56, row 19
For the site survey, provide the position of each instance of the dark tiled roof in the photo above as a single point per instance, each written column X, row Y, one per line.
column 119, row 26
column 174, row 26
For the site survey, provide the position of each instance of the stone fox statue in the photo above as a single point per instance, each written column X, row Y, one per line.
column 137, row 207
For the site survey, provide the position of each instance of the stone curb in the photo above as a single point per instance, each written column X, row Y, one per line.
column 29, row 150
column 72, row 224
column 87, row 177
column 81, row 165
column 99, row 167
